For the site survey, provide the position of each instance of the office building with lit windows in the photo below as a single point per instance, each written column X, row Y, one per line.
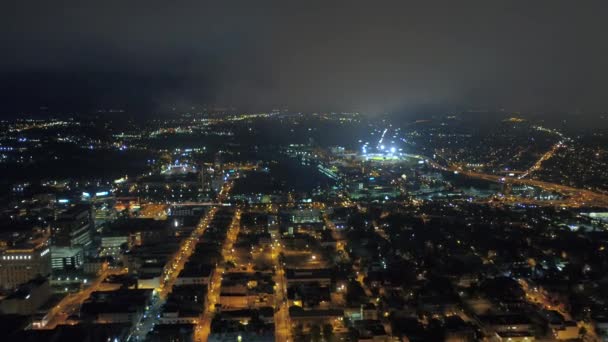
column 24, row 257
column 71, row 237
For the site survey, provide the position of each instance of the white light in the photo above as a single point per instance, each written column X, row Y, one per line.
column 393, row 150
column 382, row 147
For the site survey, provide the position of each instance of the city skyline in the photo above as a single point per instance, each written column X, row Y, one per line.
column 319, row 171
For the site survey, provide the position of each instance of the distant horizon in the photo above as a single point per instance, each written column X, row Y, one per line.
column 199, row 108
column 546, row 56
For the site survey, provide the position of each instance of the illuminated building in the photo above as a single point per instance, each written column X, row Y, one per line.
column 24, row 261
column 306, row 216
column 71, row 236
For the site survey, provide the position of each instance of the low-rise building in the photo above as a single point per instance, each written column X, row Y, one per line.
column 27, row 298
column 183, row 332
column 195, row 274
column 20, row 264
column 121, row 306
column 321, row 276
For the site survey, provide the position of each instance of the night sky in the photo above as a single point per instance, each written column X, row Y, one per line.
column 374, row 56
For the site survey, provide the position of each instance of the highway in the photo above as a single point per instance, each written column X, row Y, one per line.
column 539, row 163
column 574, row 197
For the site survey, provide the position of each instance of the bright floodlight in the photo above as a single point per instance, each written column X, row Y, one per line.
column 382, row 147
column 393, row 150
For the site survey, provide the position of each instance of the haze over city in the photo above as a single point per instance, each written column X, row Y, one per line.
column 393, row 56
column 303, row 171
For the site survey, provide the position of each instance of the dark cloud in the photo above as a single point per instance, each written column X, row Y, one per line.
column 313, row 55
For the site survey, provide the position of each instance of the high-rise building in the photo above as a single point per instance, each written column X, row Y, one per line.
column 71, row 237
column 206, row 192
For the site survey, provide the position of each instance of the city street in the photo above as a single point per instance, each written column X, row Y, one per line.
column 213, row 295
column 281, row 317
column 71, row 303
column 170, row 276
